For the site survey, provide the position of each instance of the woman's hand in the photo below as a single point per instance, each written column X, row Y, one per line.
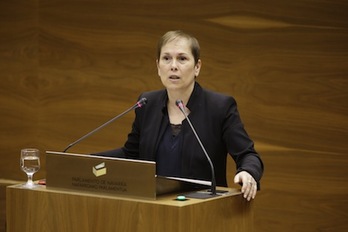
column 249, row 185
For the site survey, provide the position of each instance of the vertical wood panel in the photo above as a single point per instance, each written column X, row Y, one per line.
column 69, row 66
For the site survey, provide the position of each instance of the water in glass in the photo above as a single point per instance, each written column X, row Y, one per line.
column 30, row 163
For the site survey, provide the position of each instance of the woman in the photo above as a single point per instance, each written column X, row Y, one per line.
column 161, row 133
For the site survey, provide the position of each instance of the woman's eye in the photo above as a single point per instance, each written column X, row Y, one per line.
column 166, row 58
column 182, row 58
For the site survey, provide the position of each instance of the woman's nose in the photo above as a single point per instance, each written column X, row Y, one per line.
column 174, row 65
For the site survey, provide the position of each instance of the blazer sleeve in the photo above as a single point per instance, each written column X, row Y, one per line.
column 240, row 146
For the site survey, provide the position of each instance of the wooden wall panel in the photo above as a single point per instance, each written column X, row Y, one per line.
column 18, row 88
column 69, row 66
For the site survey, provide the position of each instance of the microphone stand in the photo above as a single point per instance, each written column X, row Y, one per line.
column 180, row 104
column 137, row 105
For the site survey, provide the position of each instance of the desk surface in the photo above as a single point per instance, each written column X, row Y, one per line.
column 167, row 199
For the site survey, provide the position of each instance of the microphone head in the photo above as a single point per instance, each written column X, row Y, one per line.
column 179, row 103
column 141, row 102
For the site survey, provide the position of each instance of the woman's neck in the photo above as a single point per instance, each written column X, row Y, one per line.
column 179, row 94
column 175, row 114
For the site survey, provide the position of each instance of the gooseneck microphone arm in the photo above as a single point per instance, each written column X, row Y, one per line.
column 180, row 104
column 139, row 104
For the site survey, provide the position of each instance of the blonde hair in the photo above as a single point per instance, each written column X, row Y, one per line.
column 171, row 35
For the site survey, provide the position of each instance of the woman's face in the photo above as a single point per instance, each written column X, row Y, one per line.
column 176, row 65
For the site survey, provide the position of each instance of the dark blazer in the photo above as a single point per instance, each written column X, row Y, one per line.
column 217, row 122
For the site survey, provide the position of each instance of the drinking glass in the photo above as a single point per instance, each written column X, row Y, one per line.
column 30, row 163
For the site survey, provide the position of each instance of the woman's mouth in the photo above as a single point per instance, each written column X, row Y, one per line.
column 174, row 77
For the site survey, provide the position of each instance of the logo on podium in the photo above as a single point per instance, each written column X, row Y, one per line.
column 99, row 170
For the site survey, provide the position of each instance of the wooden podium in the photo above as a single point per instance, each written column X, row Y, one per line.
column 41, row 209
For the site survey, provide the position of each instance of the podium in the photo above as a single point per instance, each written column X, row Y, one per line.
column 41, row 209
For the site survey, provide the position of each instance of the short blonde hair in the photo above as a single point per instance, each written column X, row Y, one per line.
column 171, row 35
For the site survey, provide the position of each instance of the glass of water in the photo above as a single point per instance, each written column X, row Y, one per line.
column 30, row 163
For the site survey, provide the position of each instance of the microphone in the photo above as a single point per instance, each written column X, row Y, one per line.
column 139, row 104
column 180, row 104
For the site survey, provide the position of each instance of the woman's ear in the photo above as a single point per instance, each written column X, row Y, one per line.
column 158, row 69
column 198, row 67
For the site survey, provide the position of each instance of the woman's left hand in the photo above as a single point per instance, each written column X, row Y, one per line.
column 249, row 185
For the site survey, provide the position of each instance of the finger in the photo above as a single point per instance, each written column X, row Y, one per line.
column 246, row 189
column 254, row 191
column 251, row 191
column 246, row 181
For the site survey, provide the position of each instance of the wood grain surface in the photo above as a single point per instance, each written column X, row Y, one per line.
column 76, row 211
column 69, row 66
